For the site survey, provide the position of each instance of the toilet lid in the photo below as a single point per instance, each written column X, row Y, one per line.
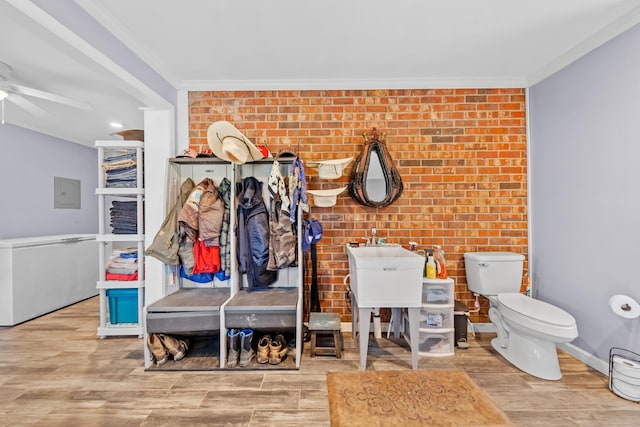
column 536, row 309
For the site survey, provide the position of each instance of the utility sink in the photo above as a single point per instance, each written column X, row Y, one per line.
column 385, row 276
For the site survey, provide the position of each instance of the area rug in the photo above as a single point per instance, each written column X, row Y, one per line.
column 409, row 398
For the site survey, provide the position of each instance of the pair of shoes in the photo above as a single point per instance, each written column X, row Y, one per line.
column 271, row 350
column 277, row 349
column 162, row 346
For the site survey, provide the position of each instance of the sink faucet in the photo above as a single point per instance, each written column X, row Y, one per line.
column 373, row 237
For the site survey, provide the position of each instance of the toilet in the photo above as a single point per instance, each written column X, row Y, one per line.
column 527, row 329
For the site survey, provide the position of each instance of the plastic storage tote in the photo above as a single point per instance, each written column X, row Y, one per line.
column 123, row 305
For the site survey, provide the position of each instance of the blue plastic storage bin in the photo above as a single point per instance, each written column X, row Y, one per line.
column 123, row 305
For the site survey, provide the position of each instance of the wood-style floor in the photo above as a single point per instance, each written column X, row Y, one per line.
column 54, row 371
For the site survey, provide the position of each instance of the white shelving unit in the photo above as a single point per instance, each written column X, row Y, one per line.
column 108, row 241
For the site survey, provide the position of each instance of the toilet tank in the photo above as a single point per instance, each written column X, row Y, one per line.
column 489, row 273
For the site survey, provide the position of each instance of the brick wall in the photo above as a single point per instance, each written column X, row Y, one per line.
column 461, row 154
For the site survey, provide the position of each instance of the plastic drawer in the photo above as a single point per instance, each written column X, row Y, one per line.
column 437, row 293
column 436, row 316
column 436, row 344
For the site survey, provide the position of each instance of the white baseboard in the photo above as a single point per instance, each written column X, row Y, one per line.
column 588, row 358
column 481, row 327
column 585, row 357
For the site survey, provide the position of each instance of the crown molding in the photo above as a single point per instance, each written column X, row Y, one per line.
column 355, row 84
column 599, row 38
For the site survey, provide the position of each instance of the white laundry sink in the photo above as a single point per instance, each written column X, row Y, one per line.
column 385, row 276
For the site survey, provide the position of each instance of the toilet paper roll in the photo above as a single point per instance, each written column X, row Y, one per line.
column 624, row 306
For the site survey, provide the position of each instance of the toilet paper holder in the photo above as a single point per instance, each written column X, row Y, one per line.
column 625, row 306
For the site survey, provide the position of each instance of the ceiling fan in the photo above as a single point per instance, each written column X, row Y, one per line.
column 17, row 94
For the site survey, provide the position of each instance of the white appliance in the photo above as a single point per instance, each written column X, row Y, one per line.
column 41, row 274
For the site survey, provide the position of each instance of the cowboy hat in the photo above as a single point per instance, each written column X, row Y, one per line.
column 325, row 198
column 228, row 143
column 131, row 135
column 332, row 169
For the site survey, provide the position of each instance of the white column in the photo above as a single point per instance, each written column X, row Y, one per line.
column 159, row 147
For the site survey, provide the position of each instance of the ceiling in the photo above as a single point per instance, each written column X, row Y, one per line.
column 293, row 44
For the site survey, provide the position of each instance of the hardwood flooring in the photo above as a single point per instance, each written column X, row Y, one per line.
column 54, row 371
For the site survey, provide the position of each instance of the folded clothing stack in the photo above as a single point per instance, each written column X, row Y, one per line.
column 120, row 168
column 123, row 265
column 124, row 217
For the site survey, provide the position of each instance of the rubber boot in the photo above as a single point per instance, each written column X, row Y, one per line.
column 246, row 351
column 233, row 338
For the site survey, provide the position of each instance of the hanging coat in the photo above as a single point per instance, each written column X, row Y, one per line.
column 225, row 247
column 253, row 235
column 201, row 215
column 282, row 241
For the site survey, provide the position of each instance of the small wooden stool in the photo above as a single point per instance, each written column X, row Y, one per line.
column 325, row 324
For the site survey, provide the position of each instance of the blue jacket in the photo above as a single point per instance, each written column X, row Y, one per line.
column 253, row 235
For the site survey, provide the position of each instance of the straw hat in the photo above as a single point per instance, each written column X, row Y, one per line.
column 228, row 143
column 326, row 198
column 332, row 169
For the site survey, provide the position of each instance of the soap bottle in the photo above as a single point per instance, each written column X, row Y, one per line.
column 431, row 268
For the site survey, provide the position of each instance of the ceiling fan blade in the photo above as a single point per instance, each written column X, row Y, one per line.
column 28, row 106
column 29, row 91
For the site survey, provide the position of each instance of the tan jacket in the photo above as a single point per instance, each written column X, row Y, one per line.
column 202, row 214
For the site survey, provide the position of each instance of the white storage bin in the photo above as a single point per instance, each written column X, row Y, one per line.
column 436, row 316
column 436, row 344
column 437, row 292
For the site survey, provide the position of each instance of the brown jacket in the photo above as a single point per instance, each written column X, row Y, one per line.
column 201, row 216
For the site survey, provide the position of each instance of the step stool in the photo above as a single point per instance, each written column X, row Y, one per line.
column 325, row 324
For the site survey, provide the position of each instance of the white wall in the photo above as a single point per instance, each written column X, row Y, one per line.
column 28, row 163
column 585, row 191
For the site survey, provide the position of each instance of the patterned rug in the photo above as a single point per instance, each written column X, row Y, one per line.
column 409, row 398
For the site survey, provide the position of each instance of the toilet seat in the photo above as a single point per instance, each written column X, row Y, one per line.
column 537, row 315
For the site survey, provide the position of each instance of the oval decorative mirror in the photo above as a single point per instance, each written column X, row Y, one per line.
column 374, row 180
